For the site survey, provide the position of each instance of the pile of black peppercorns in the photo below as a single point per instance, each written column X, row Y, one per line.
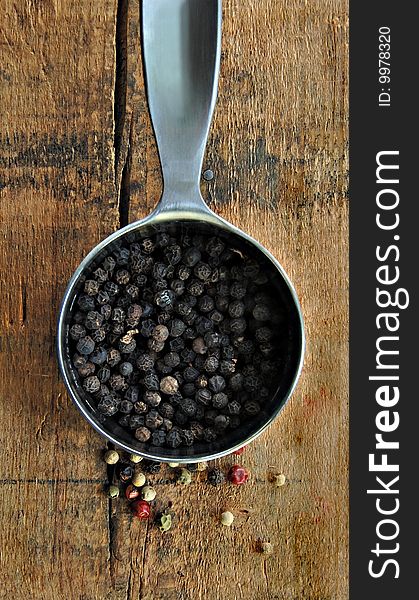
column 177, row 338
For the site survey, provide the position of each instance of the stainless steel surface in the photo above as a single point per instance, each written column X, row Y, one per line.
column 182, row 46
column 182, row 52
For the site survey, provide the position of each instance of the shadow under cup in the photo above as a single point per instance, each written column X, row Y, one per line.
column 291, row 344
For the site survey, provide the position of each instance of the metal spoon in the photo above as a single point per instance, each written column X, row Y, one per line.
column 181, row 44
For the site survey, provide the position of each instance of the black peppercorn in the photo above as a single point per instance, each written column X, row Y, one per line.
column 99, row 356
column 126, row 406
column 160, row 333
column 109, row 264
column 108, row 405
column 100, row 275
column 145, row 362
column 177, row 327
column 203, row 396
column 261, row 312
column 121, row 256
column 195, row 287
column 151, row 381
column 178, row 286
column 220, row 400
column 142, row 434
column 196, row 429
column 117, row 382
column 140, row 407
column 205, row 304
column 122, row 277
column 251, row 407
column 189, row 334
column 215, row 477
column 166, row 410
column 176, row 345
column 216, row 317
column 189, row 407
column 153, row 399
column 210, row 434
column 103, row 374
column 173, row 254
column 158, row 438
column 191, row 256
column 147, row 327
column 189, row 389
column 87, row 369
column 190, row 374
column 77, row 331
column 202, row 271
column 147, row 246
column 124, row 472
column 93, row 320
column 164, row 298
column 111, row 288
column 134, row 422
column 187, row 437
column 216, row 383
column 132, row 394
column 183, row 272
column 85, row 345
column 211, row 364
column 125, row 369
column 174, row 438
column 234, row 407
column 86, row 303
column 238, row 326
column 79, row 317
column 180, row 418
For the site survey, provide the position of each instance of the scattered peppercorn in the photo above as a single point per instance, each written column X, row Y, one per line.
column 141, row 509
column 165, row 522
column 131, row 492
column 227, row 518
column 266, row 548
column 125, row 472
column 279, row 480
column 113, row 491
column 216, row 477
column 138, row 479
column 148, row 493
column 184, row 477
column 238, row 475
column 111, row 457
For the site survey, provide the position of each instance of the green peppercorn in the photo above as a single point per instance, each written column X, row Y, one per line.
column 165, row 522
column 184, row 477
column 135, row 458
column 266, row 548
column 227, row 518
column 138, row 479
column 111, row 457
column 113, row 491
column 279, row 480
column 148, row 493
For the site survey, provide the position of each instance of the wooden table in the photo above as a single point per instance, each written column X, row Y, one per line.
column 78, row 159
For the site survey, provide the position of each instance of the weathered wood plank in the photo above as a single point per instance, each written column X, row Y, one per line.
column 57, row 201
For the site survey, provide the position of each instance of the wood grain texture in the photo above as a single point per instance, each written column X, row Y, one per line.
column 77, row 158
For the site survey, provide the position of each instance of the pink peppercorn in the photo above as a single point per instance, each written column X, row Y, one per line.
column 132, row 492
column 239, row 451
column 238, row 475
column 141, row 509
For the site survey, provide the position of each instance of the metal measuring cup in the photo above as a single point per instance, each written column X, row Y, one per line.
column 181, row 45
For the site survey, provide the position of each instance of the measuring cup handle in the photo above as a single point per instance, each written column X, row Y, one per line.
column 181, row 46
